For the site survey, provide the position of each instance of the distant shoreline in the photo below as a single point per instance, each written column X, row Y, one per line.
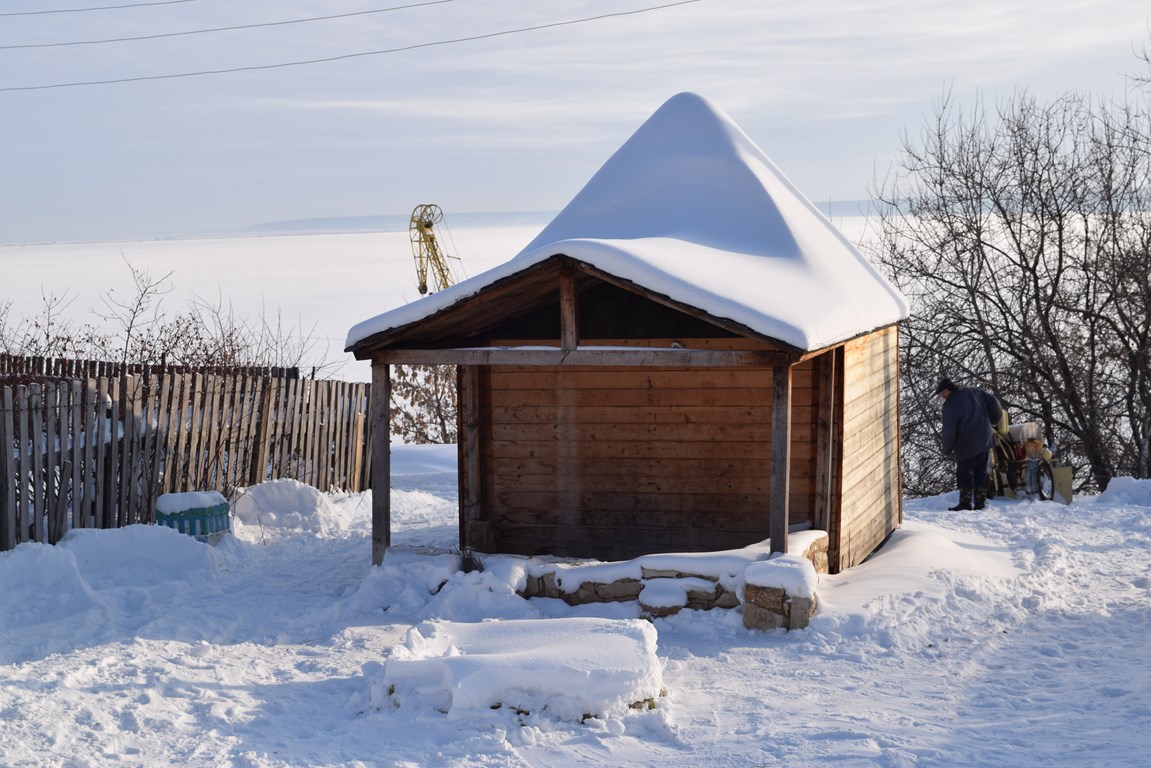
column 343, row 225
column 398, row 223
column 352, row 225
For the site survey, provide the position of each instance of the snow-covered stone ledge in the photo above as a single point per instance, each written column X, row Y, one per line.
column 774, row 591
column 779, row 593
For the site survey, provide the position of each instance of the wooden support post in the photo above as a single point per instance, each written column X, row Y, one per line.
column 780, row 456
column 381, row 461
column 569, row 317
column 825, row 440
column 470, row 472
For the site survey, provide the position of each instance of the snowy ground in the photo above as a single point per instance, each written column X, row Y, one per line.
column 1017, row 636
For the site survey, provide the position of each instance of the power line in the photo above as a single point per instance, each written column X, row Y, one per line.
column 97, row 8
column 223, row 29
column 305, row 62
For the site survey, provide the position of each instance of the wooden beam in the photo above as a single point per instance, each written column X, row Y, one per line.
column 780, row 456
column 469, row 451
column 585, row 356
column 569, row 317
column 534, row 287
column 628, row 285
column 825, row 439
column 898, row 377
column 381, row 461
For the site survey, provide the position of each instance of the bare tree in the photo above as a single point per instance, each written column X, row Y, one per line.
column 424, row 403
column 1021, row 237
column 49, row 333
column 135, row 316
column 134, row 327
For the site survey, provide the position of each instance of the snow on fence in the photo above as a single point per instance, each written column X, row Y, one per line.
column 96, row 453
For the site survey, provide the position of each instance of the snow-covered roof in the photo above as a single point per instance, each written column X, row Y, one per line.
column 690, row 208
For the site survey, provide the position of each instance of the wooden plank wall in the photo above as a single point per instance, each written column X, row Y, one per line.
column 615, row 462
column 96, row 453
column 871, row 491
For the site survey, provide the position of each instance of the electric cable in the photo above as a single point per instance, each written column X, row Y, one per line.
column 222, row 29
column 96, row 8
column 343, row 57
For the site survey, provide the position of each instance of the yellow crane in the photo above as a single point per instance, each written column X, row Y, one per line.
column 426, row 248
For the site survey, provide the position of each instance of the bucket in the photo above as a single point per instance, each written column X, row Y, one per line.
column 204, row 515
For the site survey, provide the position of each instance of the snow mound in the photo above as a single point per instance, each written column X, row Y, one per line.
column 1128, row 491
column 137, row 556
column 31, row 571
column 428, row 459
column 288, row 509
column 567, row 669
column 910, row 560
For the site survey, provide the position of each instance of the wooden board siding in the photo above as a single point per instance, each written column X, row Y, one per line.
column 871, row 505
column 602, row 419
column 615, row 462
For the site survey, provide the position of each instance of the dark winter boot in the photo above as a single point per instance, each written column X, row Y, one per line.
column 980, row 497
column 964, row 500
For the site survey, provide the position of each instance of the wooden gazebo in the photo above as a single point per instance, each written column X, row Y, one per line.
column 688, row 358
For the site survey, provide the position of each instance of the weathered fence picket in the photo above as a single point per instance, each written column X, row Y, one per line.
column 84, row 452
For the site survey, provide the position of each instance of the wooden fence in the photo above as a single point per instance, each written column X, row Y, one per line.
column 96, row 453
column 26, row 367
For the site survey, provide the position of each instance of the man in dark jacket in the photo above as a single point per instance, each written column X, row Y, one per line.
column 968, row 414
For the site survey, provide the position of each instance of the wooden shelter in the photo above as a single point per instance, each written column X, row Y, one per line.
column 726, row 373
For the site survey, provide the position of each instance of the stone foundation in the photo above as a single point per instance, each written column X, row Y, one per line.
column 698, row 597
column 763, row 607
column 772, row 608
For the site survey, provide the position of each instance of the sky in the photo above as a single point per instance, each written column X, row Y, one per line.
column 504, row 121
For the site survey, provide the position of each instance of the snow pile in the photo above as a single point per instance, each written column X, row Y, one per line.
column 1127, row 490
column 286, row 509
column 29, row 574
column 570, row 669
column 138, row 556
column 424, row 460
column 56, row 599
